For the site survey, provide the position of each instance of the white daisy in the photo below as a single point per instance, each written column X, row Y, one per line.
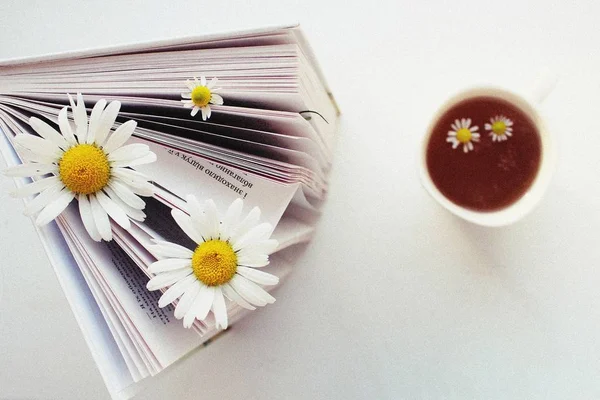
column 224, row 263
column 500, row 128
column 201, row 96
column 463, row 133
column 90, row 164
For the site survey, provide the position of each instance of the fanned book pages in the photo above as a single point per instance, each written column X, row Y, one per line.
column 170, row 183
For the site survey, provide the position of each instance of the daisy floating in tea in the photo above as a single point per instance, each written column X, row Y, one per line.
column 500, row 128
column 463, row 133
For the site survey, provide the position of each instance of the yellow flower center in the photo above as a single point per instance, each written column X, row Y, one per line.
column 499, row 127
column 201, row 96
column 463, row 135
column 84, row 169
column 214, row 262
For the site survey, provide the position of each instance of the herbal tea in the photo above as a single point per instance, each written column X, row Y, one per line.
column 484, row 153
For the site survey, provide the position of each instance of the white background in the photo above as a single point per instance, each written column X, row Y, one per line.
column 395, row 298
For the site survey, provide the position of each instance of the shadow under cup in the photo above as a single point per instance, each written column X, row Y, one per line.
column 497, row 165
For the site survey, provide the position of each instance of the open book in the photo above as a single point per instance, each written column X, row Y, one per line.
column 224, row 125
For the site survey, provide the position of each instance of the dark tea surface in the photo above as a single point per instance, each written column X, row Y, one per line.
column 484, row 153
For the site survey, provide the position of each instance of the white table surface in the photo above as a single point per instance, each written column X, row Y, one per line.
column 395, row 298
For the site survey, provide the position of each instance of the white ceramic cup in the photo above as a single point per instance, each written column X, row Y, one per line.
column 528, row 105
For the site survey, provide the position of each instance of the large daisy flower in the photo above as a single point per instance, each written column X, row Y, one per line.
column 224, row 263
column 200, row 96
column 89, row 164
column 463, row 133
column 500, row 128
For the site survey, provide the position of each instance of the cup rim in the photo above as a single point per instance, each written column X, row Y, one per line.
column 526, row 203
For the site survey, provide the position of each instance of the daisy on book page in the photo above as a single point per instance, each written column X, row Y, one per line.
column 201, row 96
column 229, row 250
column 90, row 163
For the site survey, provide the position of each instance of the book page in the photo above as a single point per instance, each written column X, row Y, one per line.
column 188, row 174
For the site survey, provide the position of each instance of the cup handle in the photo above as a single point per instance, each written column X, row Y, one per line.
column 541, row 87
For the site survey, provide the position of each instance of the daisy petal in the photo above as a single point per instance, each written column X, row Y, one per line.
column 43, row 199
column 242, row 287
column 256, row 276
column 193, row 206
column 250, row 291
column 95, row 117
column 125, row 194
column 169, row 264
column 147, row 159
column 212, row 83
column 219, row 309
column 65, row 127
column 100, row 218
column 235, row 297
column 166, row 279
column 203, row 80
column 261, row 247
column 231, row 218
column 200, row 306
column 28, row 170
column 198, row 217
column 120, row 136
column 133, row 213
column 185, row 223
column 141, row 188
column 187, row 95
column 211, row 217
column 186, row 301
column 204, row 112
column 129, row 152
column 85, row 210
column 109, row 116
column 195, row 111
column 29, row 156
column 53, row 209
column 130, row 174
column 80, row 117
column 166, row 249
column 48, row 133
column 113, row 210
column 260, row 232
column 247, row 223
column 39, row 145
column 36, row 187
column 216, row 99
column 175, row 291
column 254, row 260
